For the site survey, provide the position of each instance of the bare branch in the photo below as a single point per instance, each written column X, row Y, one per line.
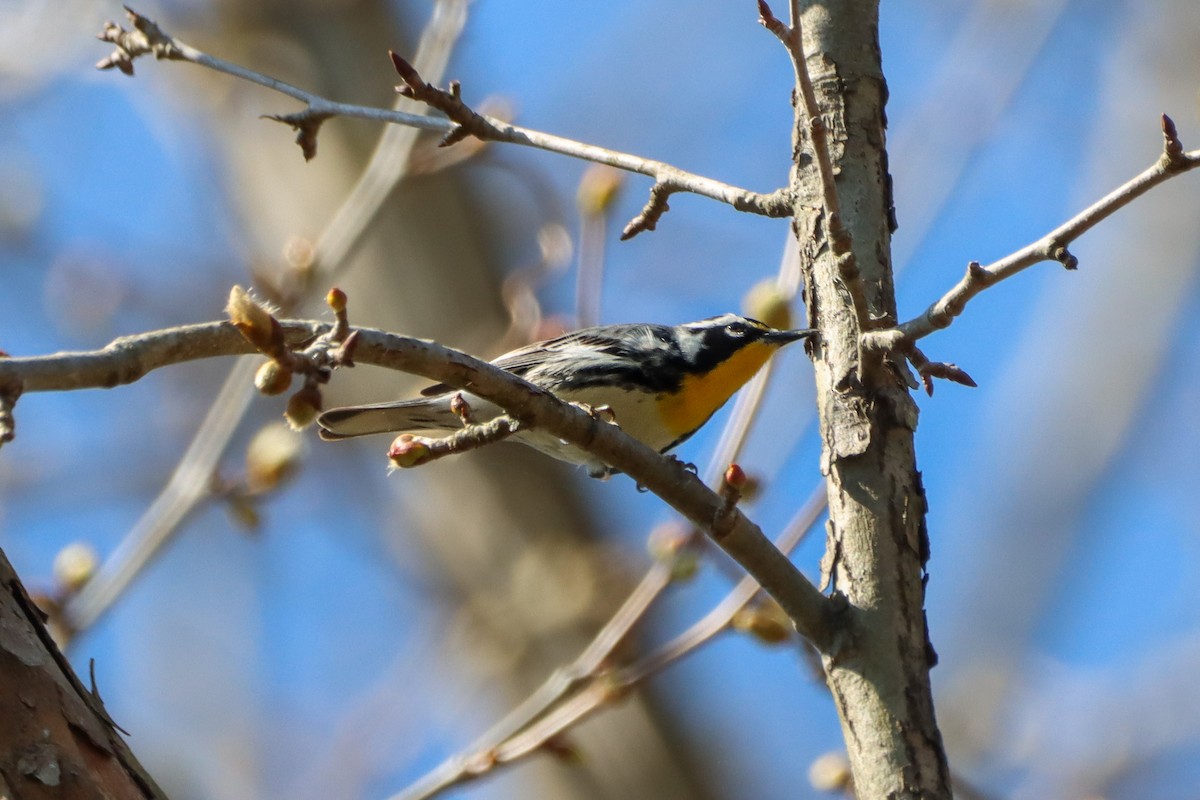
column 409, row 450
column 462, row 119
column 586, row 687
column 1054, row 246
column 129, row 358
column 667, row 179
column 929, row 370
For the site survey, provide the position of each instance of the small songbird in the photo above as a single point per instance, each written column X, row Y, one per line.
column 661, row 383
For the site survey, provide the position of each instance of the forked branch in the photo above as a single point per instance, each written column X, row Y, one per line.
column 1054, row 246
column 148, row 38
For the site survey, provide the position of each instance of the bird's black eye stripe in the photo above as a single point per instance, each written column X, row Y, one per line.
column 736, row 329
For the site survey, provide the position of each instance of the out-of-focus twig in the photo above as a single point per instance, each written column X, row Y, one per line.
column 191, row 481
column 590, row 683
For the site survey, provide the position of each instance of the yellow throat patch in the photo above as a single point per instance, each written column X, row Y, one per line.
column 701, row 395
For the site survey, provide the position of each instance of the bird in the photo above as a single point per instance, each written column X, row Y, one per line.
column 659, row 383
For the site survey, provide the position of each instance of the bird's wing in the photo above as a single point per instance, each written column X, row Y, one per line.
column 608, row 339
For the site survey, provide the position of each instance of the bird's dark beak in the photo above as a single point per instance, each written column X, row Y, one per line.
column 784, row 337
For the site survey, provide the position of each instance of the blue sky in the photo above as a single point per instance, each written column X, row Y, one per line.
column 1062, row 513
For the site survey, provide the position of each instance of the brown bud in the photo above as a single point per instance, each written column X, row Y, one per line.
column 273, row 378
column 735, row 477
column 303, row 407
column 408, row 451
column 461, row 408
column 336, row 300
column 251, row 318
column 765, row 621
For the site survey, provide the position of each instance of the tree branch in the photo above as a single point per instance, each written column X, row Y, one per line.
column 877, row 544
column 147, row 38
column 1054, row 246
column 586, row 687
column 129, row 358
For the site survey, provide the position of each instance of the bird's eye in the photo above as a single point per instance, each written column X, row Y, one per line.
column 735, row 329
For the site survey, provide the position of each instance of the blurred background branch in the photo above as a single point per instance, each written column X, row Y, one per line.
column 290, row 654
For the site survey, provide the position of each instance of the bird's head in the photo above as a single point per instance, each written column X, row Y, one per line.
column 712, row 342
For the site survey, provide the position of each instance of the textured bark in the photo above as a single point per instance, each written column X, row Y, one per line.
column 878, row 667
column 56, row 740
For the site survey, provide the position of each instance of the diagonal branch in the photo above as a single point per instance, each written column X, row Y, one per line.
column 148, row 38
column 587, row 686
column 129, row 358
column 1054, row 246
column 667, row 179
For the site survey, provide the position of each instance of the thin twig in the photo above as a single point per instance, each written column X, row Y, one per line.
column 465, row 121
column 412, row 451
column 1054, row 246
column 148, row 38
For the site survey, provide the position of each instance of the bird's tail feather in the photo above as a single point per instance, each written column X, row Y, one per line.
column 391, row 417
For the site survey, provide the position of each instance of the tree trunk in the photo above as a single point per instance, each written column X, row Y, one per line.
column 878, row 668
column 56, row 740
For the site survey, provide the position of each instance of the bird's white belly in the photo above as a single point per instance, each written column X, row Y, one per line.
column 635, row 413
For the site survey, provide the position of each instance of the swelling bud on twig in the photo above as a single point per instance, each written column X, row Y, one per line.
column 303, row 407
column 272, row 378
column 408, row 451
column 252, row 319
column 735, row 477
column 461, row 409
